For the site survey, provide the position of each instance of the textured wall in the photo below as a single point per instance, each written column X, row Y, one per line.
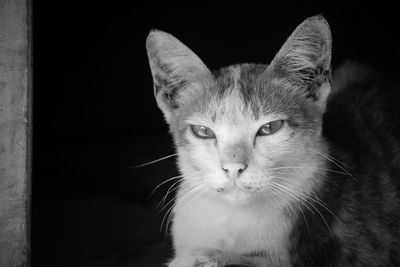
column 14, row 125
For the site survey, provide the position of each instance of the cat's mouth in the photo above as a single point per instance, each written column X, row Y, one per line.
column 237, row 194
column 248, row 187
column 241, row 186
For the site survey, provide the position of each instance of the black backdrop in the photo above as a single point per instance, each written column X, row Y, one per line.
column 95, row 116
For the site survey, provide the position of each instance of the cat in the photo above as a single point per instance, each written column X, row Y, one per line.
column 277, row 169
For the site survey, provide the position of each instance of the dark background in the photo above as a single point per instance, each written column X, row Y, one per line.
column 95, row 115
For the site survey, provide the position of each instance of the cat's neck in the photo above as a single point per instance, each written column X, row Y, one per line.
column 256, row 227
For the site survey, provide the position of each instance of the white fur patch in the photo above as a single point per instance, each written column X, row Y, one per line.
column 209, row 223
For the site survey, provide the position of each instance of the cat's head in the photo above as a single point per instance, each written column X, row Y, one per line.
column 246, row 130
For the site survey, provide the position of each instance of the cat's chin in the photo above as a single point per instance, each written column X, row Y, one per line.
column 237, row 196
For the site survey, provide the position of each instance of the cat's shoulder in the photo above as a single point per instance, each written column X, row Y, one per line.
column 353, row 78
column 359, row 88
column 363, row 100
column 349, row 73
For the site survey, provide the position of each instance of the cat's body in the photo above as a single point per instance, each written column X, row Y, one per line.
column 264, row 183
column 362, row 128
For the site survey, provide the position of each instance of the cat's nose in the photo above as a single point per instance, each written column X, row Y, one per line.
column 234, row 168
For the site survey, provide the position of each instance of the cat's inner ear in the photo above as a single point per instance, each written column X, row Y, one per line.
column 304, row 60
column 176, row 70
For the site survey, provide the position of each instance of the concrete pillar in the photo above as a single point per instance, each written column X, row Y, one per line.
column 15, row 112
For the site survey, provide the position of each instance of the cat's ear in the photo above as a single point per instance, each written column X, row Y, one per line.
column 175, row 69
column 304, row 60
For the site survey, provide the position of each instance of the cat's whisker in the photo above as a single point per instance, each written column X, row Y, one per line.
column 184, row 198
column 319, row 202
column 297, row 202
column 292, row 182
column 333, row 160
column 285, row 179
column 327, row 155
column 195, row 195
column 154, row 161
column 304, row 217
column 171, row 214
column 168, row 215
column 315, row 198
column 173, row 199
column 276, row 190
column 306, row 167
column 297, row 205
column 166, row 181
column 172, row 188
column 294, row 175
column 325, row 175
column 273, row 177
column 291, row 195
column 170, row 209
column 302, row 196
column 328, row 178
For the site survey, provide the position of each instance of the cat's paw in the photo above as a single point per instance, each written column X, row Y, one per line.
column 206, row 261
column 214, row 259
column 195, row 261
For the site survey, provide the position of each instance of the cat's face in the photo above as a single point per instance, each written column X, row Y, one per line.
column 246, row 131
column 239, row 146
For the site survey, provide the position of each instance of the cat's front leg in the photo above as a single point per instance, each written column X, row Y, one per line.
column 209, row 259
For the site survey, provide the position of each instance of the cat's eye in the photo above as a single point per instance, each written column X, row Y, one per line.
column 270, row 128
column 202, row 132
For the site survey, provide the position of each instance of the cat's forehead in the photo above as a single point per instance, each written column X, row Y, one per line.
column 241, row 78
column 239, row 92
column 228, row 102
